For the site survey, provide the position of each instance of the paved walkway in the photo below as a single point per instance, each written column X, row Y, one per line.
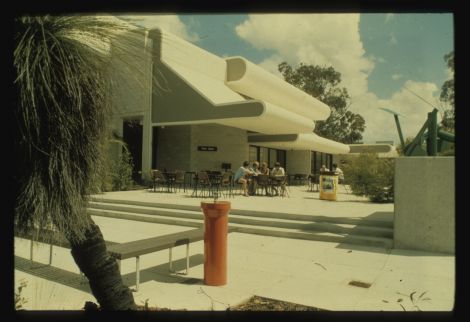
column 304, row 272
column 300, row 201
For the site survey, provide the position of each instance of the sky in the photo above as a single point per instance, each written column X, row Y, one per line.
column 390, row 60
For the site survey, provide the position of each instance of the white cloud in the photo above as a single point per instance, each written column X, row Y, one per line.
column 381, row 60
column 388, row 17
column 334, row 40
column 381, row 125
column 171, row 23
column 270, row 64
column 319, row 39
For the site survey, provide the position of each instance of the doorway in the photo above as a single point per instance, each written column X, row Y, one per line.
column 132, row 136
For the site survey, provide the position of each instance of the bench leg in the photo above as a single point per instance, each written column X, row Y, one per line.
column 31, row 250
column 137, row 273
column 170, row 260
column 187, row 259
column 50, row 254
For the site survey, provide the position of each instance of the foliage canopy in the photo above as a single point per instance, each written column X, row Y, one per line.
column 323, row 83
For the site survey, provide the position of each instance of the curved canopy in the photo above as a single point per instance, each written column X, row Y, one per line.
column 303, row 141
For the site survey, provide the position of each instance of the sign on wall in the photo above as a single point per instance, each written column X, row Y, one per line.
column 206, row 148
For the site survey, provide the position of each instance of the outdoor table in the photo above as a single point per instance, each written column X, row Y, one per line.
column 170, row 178
column 251, row 184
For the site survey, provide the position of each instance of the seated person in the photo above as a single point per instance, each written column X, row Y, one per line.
column 277, row 171
column 253, row 184
column 339, row 173
column 264, row 168
column 255, row 168
column 241, row 176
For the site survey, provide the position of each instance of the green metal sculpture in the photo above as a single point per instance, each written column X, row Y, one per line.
column 437, row 140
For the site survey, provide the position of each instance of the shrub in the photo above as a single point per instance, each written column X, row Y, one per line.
column 20, row 301
column 113, row 174
column 371, row 177
column 121, row 172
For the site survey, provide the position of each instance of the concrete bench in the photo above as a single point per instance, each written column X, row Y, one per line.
column 155, row 244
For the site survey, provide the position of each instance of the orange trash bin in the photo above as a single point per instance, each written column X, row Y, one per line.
column 215, row 242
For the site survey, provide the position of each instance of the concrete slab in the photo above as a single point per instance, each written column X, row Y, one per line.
column 300, row 201
column 300, row 271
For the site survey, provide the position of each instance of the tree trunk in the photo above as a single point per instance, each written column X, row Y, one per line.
column 102, row 272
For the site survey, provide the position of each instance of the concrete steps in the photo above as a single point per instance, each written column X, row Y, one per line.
column 337, row 229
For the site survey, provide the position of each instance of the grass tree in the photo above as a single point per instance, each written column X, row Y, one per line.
column 62, row 66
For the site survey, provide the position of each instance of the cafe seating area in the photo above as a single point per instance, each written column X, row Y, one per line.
column 220, row 184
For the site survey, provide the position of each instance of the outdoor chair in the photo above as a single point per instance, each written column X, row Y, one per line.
column 203, row 184
column 312, row 182
column 226, row 184
column 300, row 179
column 284, row 188
column 179, row 180
column 215, row 179
column 279, row 184
column 263, row 183
column 158, row 179
column 239, row 187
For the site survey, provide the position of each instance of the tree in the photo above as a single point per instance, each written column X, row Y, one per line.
column 323, row 83
column 61, row 113
column 448, row 96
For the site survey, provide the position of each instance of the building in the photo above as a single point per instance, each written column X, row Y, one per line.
column 205, row 112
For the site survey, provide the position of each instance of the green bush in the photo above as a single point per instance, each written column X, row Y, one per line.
column 114, row 174
column 121, row 172
column 371, row 176
column 20, row 301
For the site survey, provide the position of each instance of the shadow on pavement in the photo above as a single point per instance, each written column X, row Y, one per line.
column 158, row 273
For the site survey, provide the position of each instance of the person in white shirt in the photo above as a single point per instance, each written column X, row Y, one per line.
column 252, row 182
column 324, row 168
column 338, row 172
column 241, row 176
column 277, row 171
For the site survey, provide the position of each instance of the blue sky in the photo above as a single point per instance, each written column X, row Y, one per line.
column 422, row 40
column 382, row 57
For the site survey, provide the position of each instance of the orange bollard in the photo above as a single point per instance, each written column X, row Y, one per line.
column 215, row 242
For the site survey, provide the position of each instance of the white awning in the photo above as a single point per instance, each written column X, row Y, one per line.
column 203, row 88
column 251, row 80
column 195, row 98
column 382, row 150
column 303, row 141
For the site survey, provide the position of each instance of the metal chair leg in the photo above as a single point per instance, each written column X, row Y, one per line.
column 31, row 250
column 187, row 258
column 170, row 260
column 137, row 273
column 50, row 254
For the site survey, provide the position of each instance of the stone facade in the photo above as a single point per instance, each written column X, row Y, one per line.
column 425, row 204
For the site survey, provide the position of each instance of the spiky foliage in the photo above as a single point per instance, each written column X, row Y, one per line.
column 62, row 64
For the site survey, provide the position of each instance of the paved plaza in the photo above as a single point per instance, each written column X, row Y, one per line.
column 307, row 272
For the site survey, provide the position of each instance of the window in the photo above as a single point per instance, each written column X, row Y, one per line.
column 268, row 155
column 263, row 155
column 253, row 153
column 319, row 159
